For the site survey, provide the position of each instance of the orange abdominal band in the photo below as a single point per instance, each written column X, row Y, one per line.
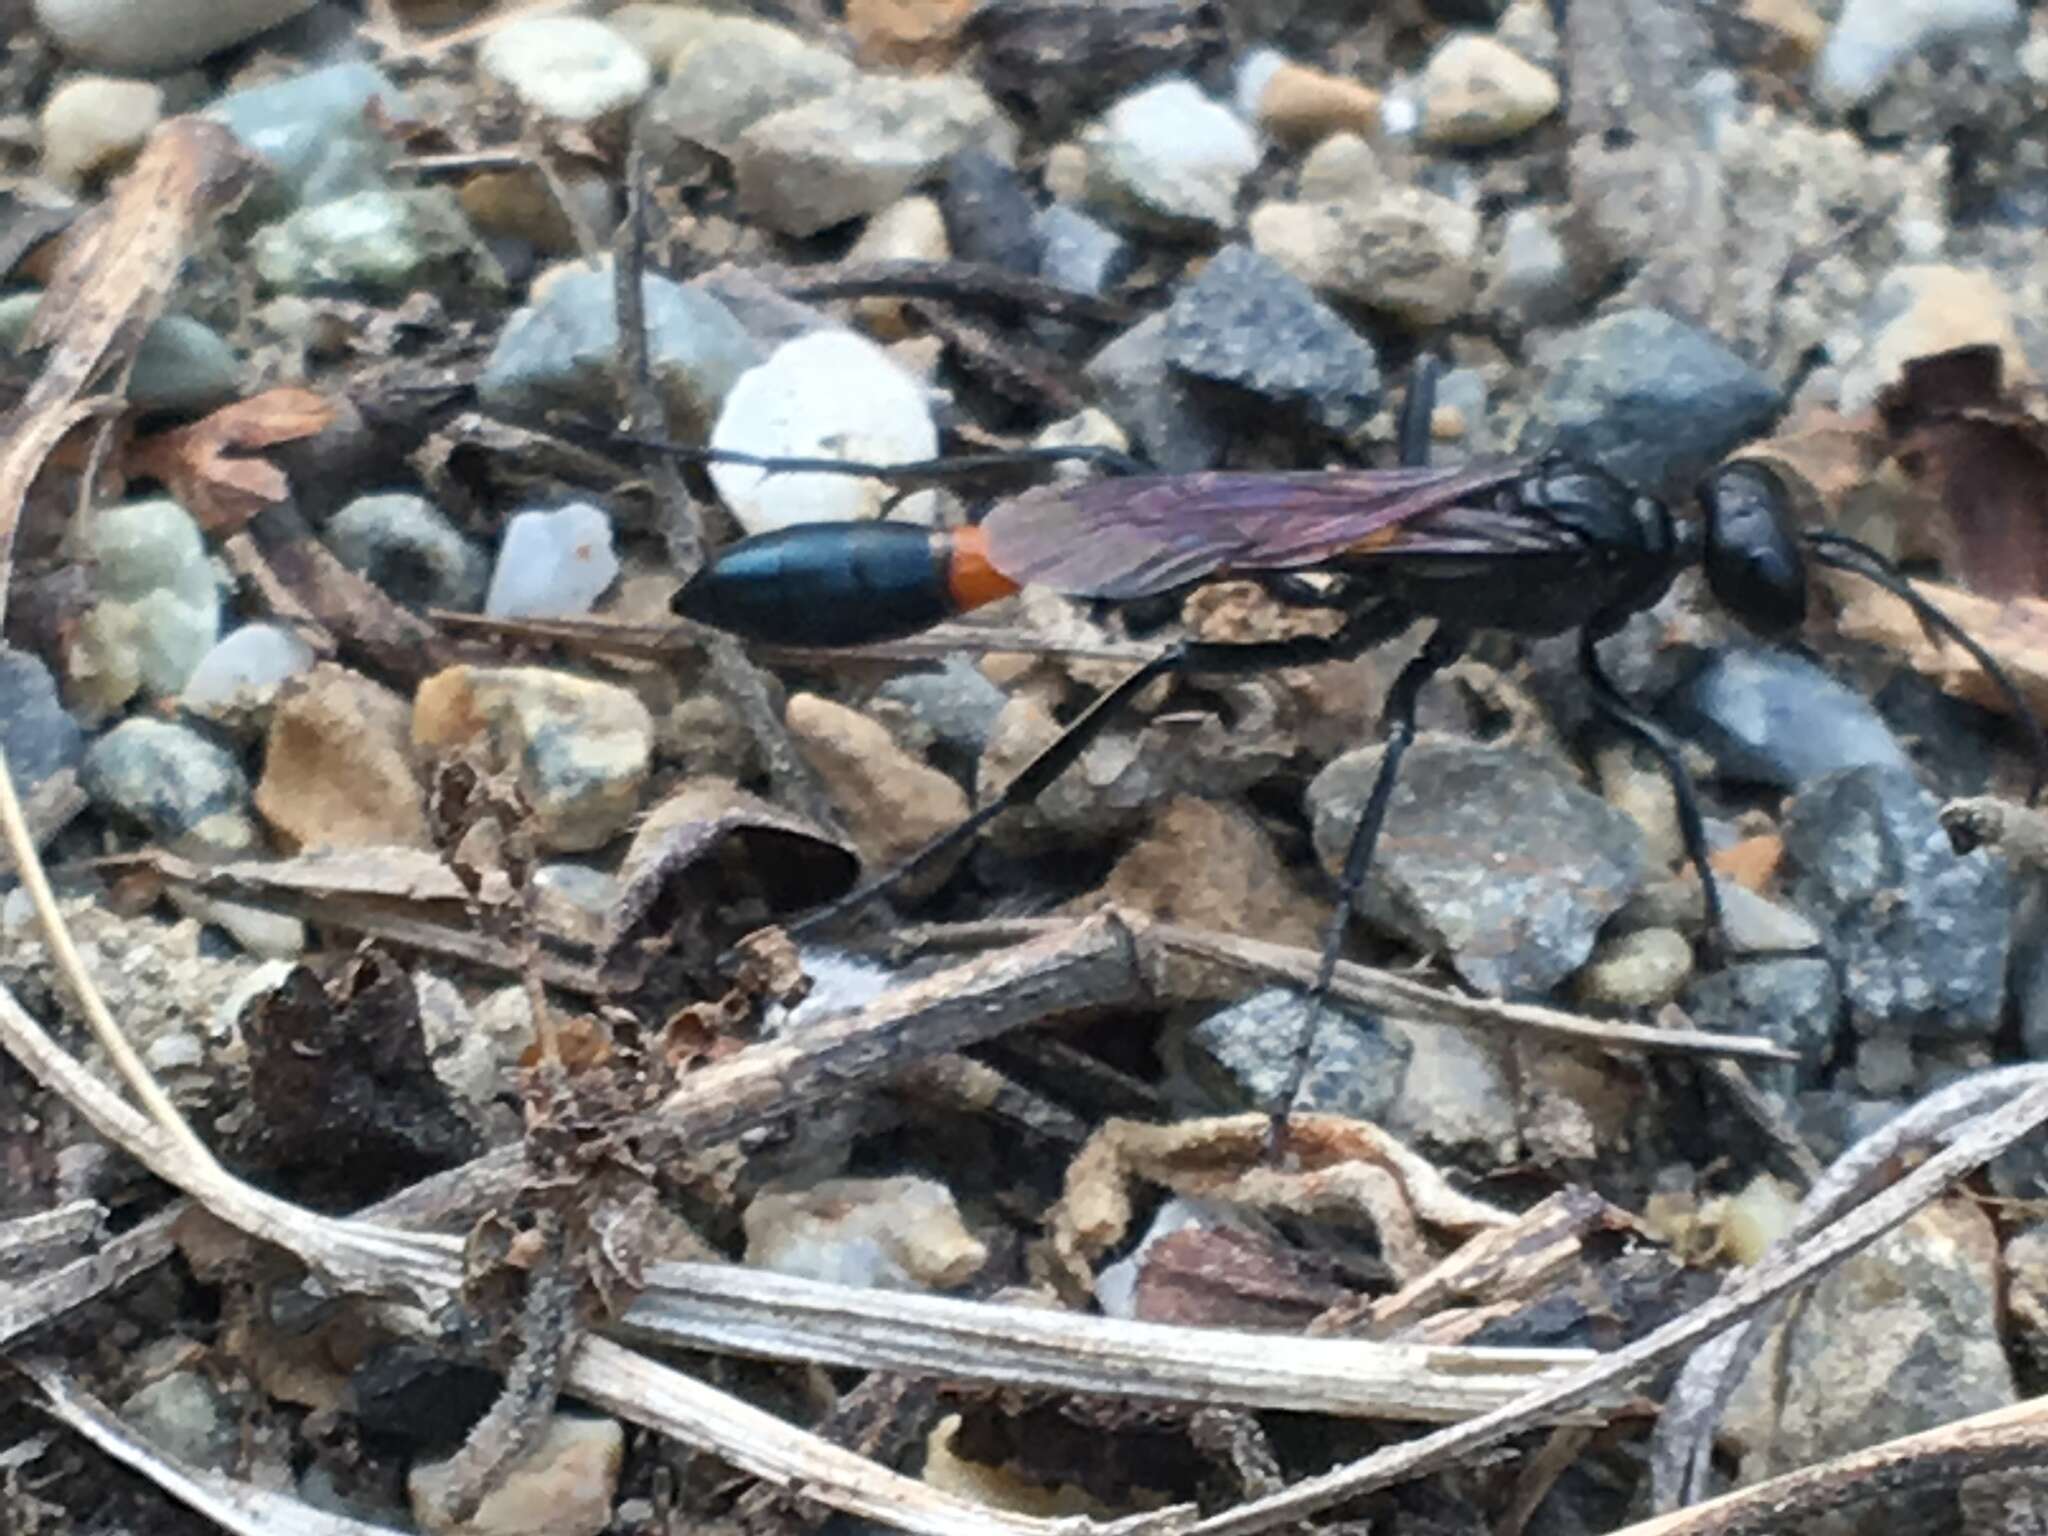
column 970, row 579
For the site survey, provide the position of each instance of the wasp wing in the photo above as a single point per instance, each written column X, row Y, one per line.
column 1145, row 534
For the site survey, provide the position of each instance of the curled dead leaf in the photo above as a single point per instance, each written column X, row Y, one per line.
column 210, row 467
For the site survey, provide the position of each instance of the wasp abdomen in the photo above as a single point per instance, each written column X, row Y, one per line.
column 831, row 584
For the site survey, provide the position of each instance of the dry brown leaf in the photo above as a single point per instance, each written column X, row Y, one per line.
column 109, row 286
column 1349, row 1171
column 200, row 464
column 2014, row 631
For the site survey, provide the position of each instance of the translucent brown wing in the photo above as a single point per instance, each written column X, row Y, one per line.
column 1143, row 534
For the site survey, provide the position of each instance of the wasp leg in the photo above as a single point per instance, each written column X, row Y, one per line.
column 1614, row 704
column 1360, row 633
column 1443, row 647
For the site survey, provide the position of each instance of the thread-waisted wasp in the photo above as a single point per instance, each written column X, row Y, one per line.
column 1530, row 547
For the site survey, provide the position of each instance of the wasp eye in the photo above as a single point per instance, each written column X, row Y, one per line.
column 1752, row 556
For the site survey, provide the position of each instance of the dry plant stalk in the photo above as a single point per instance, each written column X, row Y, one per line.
column 112, row 280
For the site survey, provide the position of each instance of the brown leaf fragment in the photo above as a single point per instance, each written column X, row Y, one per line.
column 356, row 612
column 203, row 465
column 110, row 284
column 2014, row 632
column 1220, row 1277
column 1980, row 452
column 1345, row 1171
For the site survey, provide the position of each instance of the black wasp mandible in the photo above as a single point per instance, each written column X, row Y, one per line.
column 1530, row 547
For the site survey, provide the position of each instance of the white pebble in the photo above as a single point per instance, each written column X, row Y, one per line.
column 92, row 122
column 834, row 395
column 1172, row 152
column 567, row 67
column 252, row 660
column 553, row 565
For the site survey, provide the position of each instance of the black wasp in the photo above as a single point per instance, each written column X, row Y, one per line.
column 1529, row 547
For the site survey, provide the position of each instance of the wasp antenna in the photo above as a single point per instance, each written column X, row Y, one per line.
column 1842, row 553
column 1418, row 410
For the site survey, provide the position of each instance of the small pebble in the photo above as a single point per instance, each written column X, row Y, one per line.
column 1770, row 717
column 893, row 1234
column 383, row 241
column 1645, row 969
column 1870, row 38
column 183, row 365
column 912, row 35
column 38, row 737
column 561, row 351
column 150, row 39
column 1533, row 283
column 316, row 132
column 1247, row 323
column 730, row 72
column 1078, row 253
column 1299, row 105
column 1241, row 1057
column 407, row 548
column 830, row 394
column 839, row 157
column 160, row 608
column 910, row 230
column 1159, row 409
column 184, row 788
column 1401, row 250
column 337, row 767
column 1170, row 156
column 1478, row 91
column 569, row 68
column 893, row 804
column 565, row 1486
column 184, row 1415
column 582, row 748
column 94, row 123
column 245, row 669
column 553, row 565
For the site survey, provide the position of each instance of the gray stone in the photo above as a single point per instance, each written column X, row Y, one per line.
column 1246, row 322
column 1647, row 397
column 1489, row 857
column 1240, row 1057
column 1158, row 409
column 957, row 703
column 185, row 789
column 1871, row 37
column 314, row 132
column 185, row 1415
column 856, row 151
column 38, row 737
column 738, row 71
column 160, row 612
column 408, row 548
column 561, row 352
column 1793, row 1001
column 1770, row 717
column 1080, row 253
column 383, row 241
column 1920, row 934
column 1168, row 157
column 1902, row 1337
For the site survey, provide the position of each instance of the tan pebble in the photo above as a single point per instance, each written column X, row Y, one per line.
column 1305, row 106
column 1793, row 26
column 96, row 123
column 893, row 804
column 1478, row 91
column 916, row 35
